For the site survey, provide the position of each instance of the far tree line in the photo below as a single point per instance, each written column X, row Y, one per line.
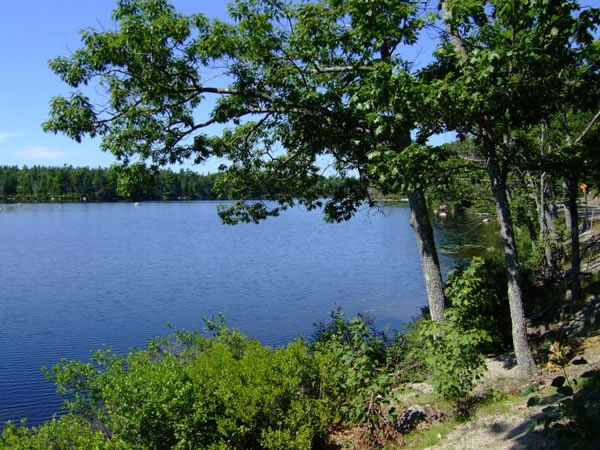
column 101, row 184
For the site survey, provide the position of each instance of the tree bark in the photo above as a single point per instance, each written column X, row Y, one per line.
column 515, row 300
column 455, row 39
column 551, row 218
column 515, row 297
column 572, row 218
column 552, row 237
column 419, row 220
column 547, row 215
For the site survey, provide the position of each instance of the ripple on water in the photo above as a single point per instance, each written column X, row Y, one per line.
column 91, row 274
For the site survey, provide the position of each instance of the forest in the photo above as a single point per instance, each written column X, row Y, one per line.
column 39, row 184
column 311, row 87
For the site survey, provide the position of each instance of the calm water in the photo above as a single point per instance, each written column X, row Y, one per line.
column 77, row 276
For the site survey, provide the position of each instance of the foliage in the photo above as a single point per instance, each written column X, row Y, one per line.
column 302, row 89
column 362, row 368
column 40, row 183
column 64, row 433
column 453, row 358
column 190, row 391
column 576, row 418
column 466, row 182
column 477, row 300
column 506, row 66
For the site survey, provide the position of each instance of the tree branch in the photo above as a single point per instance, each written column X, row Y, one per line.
column 588, row 127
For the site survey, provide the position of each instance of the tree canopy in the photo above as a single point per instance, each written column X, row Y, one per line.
column 313, row 87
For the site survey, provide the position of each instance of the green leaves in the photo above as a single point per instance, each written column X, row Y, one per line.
column 74, row 116
column 477, row 300
column 135, row 181
column 453, row 357
column 187, row 390
column 396, row 169
column 318, row 81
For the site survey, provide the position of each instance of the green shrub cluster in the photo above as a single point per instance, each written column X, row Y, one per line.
column 477, row 300
column 192, row 390
column 189, row 390
column 68, row 432
column 363, row 370
column 453, row 357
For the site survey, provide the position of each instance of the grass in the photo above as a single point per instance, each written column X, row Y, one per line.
column 432, row 436
column 436, row 434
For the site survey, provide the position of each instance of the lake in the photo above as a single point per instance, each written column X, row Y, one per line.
column 75, row 277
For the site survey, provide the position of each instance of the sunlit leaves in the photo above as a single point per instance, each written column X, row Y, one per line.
column 74, row 116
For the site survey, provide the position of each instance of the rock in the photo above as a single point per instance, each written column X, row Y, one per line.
column 411, row 418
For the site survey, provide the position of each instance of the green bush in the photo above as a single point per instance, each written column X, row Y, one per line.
column 188, row 391
column 388, row 350
column 65, row 433
column 477, row 297
column 453, row 357
column 361, row 371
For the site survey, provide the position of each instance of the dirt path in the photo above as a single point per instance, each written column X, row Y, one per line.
column 509, row 427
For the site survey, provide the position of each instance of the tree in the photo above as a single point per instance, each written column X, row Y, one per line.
column 307, row 83
column 502, row 69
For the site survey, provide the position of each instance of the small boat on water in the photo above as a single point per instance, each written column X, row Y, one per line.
column 138, row 204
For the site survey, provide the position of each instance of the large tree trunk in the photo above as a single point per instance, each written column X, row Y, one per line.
column 544, row 236
column 551, row 235
column 419, row 220
column 572, row 218
column 515, row 300
column 553, row 246
column 548, row 237
column 515, row 296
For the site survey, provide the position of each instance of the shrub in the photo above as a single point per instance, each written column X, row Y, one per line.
column 67, row 432
column 477, row 296
column 360, row 370
column 188, row 391
column 453, row 357
column 350, row 355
